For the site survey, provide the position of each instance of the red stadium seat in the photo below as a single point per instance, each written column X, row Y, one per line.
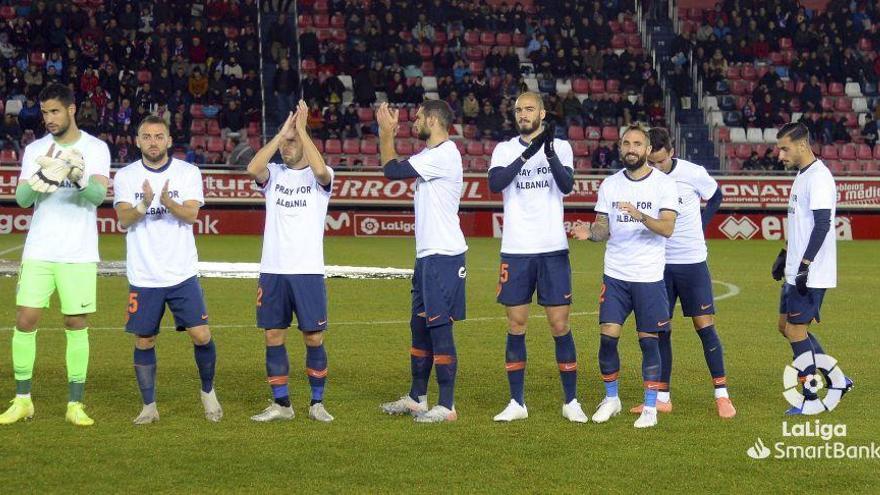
column 477, row 67
column 489, row 147
column 309, row 65
column 865, row 45
column 739, row 87
column 474, row 53
column 749, row 73
column 215, row 145
column 440, row 38
column 38, row 58
column 472, row 37
column 612, row 86
column 829, row 152
column 337, row 21
column 256, row 144
column 460, row 145
column 321, row 21
column 864, row 152
column 144, row 76
column 321, row 6
column 724, row 134
column 213, row 127
column 575, row 133
column 853, row 167
column 580, row 148
column 195, row 111
column 369, row 147
column 7, row 12
column 614, row 25
column 425, row 51
column 593, row 133
column 198, row 142
column 836, row 166
column 365, row 114
column 8, row 156
column 404, row 130
column 470, row 131
column 318, row 144
column 503, row 39
column 597, row 86
column 843, row 104
column 371, row 161
column 629, row 27
column 583, row 164
column 733, row 73
column 351, row 147
column 404, row 147
column 835, row 89
column 872, row 166
column 610, row 133
column 827, row 103
column 848, row 152
column 580, row 86
column 197, row 127
column 695, row 14
column 402, row 115
column 618, row 42
column 519, row 39
column 333, row 147
column 743, row 151
column 877, row 151
column 487, row 38
column 634, row 41
column 480, row 164
column 474, row 148
column 785, row 44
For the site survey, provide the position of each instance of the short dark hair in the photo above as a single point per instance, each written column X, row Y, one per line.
column 57, row 91
column 439, row 109
column 636, row 127
column 660, row 139
column 794, row 131
column 153, row 119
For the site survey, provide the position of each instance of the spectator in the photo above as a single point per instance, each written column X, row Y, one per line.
column 601, row 157
column 232, row 121
column 241, row 153
column 811, row 95
column 753, row 162
column 10, row 133
column 870, row 131
column 281, row 38
column 489, row 122
column 470, row 108
column 196, row 156
column 198, row 84
column 29, row 117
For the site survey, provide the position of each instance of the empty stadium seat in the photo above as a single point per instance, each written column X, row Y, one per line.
column 580, row 86
column 333, row 147
column 593, row 133
column 404, row 147
column 610, row 133
column 8, row 156
column 351, row 146
column 575, row 133
column 474, row 148
column 738, row 135
column 197, row 127
column 829, row 152
column 13, row 106
column 480, row 164
column 770, row 135
column 848, row 152
column 843, row 104
column 580, row 148
column 863, row 152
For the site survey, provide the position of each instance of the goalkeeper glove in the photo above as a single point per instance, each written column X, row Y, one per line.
column 800, row 280
column 48, row 178
column 778, row 270
column 534, row 146
column 74, row 159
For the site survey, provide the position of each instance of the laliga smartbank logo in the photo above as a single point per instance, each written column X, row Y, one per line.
column 813, row 439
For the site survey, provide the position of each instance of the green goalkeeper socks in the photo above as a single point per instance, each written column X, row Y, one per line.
column 24, row 351
column 77, row 362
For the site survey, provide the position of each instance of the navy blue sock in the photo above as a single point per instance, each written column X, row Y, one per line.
column 566, row 358
column 714, row 354
column 650, row 368
column 609, row 363
column 316, row 368
column 817, row 347
column 515, row 362
column 277, row 370
column 421, row 357
column 206, row 361
column 665, row 345
column 145, row 372
column 445, row 363
column 799, row 348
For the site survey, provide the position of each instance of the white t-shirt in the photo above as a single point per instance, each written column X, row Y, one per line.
column 813, row 189
column 532, row 202
column 296, row 210
column 64, row 228
column 438, row 194
column 687, row 244
column 160, row 249
column 633, row 252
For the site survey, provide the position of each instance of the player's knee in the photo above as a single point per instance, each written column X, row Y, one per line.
column 559, row 328
column 781, row 326
column 27, row 320
column 275, row 337
column 145, row 342
column 313, row 339
column 701, row 322
column 610, row 329
column 75, row 322
column 200, row 335
column 649, row 335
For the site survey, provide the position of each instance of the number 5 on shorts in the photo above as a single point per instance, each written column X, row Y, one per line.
column 132, row 302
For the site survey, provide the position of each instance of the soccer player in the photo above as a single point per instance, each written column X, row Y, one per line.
column 534, row 248
column 65, row 175
column 438, row 284
column 292, row 266
column 687, row 273
column 161, row 261
column 635, row 213
column 809, row 261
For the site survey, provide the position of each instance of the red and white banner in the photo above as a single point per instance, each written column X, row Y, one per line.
column 214, row 221
column 373, row 189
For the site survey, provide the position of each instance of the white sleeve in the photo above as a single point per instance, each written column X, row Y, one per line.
column 194, row 190
column 431, row 163
column 602, row 205
column 325, row 190
column 500, row 156
column 668, row 196
column 98, row 163
column 28, row 165
column 273, row 172
column 823, row 193
column 705, row 184
column 122, row 192
column 565, row 153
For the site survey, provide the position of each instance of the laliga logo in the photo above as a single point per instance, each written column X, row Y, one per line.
column 370, row 225
column 743, row 228
column 826, row 366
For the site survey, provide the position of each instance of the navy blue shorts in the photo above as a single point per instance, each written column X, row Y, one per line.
column 438, row 289
column 693, row 285
column 647, row 299
column 279, row 297
column 800, row 310
column 146, row 307
column 521, row 274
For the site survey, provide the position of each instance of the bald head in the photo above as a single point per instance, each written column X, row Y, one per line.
column 529, row 112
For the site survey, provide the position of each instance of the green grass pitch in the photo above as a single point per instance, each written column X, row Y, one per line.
column 366, row 452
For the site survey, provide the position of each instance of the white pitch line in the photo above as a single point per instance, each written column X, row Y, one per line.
column 12, row 249
column 732, row 291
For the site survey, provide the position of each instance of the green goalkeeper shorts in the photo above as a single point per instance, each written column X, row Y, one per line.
column 75, row 283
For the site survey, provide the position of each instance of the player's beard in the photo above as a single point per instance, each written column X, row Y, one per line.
column 62, row 128
column 423, row 133
column 293, row 158
column 159, row 156
column 528, row 128
column 632, row 167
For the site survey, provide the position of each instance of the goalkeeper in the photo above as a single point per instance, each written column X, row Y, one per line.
column 64, row 175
